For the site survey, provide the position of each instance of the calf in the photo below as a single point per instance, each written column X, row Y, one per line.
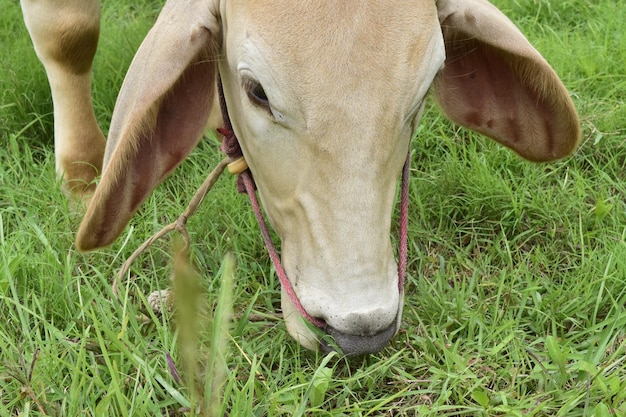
column 324, row 96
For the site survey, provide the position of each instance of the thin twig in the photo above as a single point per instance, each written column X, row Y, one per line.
column 179, row 225
column 32, row 365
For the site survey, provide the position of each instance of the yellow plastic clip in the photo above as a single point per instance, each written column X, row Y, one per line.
column 237, row 166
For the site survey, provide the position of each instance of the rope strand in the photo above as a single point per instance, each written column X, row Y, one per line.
column 271, row 249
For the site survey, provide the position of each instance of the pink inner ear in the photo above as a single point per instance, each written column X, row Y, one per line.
column 490, row 97
column 483, row 85
column 147, row 151
column 516, row 100
column 180, row 122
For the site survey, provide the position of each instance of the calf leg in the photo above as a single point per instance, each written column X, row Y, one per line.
column 65, row 36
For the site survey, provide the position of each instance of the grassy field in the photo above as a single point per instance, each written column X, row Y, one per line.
column 516, row 288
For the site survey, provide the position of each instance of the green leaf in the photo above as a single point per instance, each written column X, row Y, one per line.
column 602, row 209
column 586, row 366
column 601, row 410
column 614, row 385
column 321, row 382
column 481, row 398
column 555, row 352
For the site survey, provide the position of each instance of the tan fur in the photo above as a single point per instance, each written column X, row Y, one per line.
column 65, row 36
column 346, row 82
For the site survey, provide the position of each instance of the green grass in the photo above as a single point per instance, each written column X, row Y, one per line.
column 516, row 288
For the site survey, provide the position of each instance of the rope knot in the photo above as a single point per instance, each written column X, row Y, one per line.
column 230, row 146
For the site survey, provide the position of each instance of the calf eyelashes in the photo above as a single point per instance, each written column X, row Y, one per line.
column 256, row 94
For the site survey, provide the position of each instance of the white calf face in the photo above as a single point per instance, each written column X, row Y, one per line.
column 324, row 110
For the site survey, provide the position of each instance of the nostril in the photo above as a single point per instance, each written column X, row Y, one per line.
column 354, row 345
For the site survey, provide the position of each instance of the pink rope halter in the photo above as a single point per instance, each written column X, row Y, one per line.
column 245, row 183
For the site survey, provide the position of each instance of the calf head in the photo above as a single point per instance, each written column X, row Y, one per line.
column 324, row 97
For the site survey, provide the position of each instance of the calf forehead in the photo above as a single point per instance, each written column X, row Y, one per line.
column 329, row 58
column 327, row 37
column 335, row 21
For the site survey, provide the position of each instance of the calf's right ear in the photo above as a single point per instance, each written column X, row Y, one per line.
column 159, row 117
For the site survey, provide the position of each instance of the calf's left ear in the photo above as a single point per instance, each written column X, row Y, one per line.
column 159, row 117
column 496, row 83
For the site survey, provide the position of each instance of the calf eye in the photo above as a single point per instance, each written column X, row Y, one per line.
column 256, row 93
